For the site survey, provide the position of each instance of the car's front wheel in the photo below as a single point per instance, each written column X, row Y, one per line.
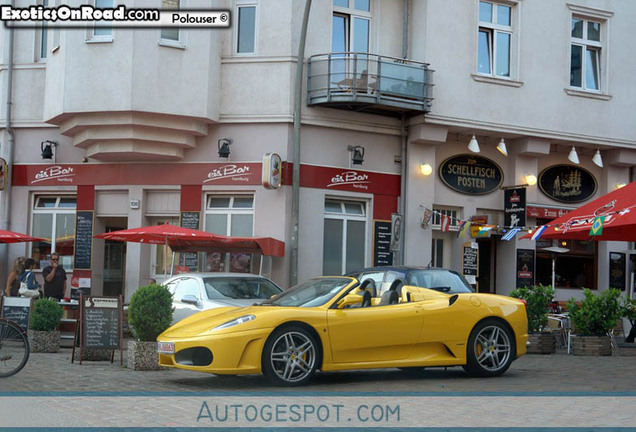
column 291, row 356
column 490, row 349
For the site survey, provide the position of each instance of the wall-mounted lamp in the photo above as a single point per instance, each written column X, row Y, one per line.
column 597, row 159
column 531, row 179
column 573, row 156
column 47, row 148
column 473, row 145
column 357, row 156
column 502, row 147
column 224, row 147
column 426, row 169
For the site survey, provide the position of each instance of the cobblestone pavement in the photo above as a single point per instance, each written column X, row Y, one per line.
column 46, row 372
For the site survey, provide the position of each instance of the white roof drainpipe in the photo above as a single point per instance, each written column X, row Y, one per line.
column 5, row 195
column 404, row 137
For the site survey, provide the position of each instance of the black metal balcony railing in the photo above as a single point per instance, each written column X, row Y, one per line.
column 369, row 82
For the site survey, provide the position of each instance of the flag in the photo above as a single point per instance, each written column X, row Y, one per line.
column 426, row 218
column 539, row 232
column 463, row 227
column 445, row 223
column 511, row 234
column 597, row 226
column 484, row 231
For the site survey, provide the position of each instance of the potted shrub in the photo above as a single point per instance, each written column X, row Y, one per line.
column 538, row 299
column 44, row 335
column 149, row 314
column 592, row 318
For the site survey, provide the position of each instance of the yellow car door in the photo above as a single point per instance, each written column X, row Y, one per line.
column 376, row 333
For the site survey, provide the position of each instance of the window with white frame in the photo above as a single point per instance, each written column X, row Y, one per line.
column 42, row 37
column 246, row 29
column 230, row 216
column 102, row 32
column 585, row 54
column 452, row 214
column 171, row 35
column 53, row 219
column 350, row 32
column 164, row 262
column 495, row 38
column 344, row 238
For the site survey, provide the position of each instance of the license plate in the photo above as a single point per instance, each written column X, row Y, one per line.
column 165, row 347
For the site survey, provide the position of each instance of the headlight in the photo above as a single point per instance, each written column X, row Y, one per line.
column 235, row 321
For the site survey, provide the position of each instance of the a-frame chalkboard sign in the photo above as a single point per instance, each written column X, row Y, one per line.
column 16, row 309
column 101, row 325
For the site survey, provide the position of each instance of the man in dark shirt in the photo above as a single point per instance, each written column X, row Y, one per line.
column 54, row 278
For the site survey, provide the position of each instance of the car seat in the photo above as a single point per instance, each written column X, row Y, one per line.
column 366, row 298
column 369, row 285
column 396, row 286
column 388, row 298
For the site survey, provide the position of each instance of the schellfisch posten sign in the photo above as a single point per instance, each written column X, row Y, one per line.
column 470, row 174
column 567, row 183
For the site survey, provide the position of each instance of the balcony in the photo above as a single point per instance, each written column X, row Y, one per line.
column 369, row 83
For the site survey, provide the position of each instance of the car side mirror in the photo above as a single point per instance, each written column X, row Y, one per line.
column 348, row 300
column 190, row 299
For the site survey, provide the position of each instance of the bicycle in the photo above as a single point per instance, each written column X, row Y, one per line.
column 14, row 348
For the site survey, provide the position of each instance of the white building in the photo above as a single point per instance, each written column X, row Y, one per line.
column 139, row 116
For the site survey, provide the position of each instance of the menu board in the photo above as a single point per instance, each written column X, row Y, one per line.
column 190, row 259
column 100, row 323
column 525, row 267
column 83, row 240
column 617, row 263
column 17, row 309
column 382, row 254
column 470, row 262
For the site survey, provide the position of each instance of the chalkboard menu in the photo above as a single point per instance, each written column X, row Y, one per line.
column 525, row 267
column 17, row 309
column 190, row 259
column 470, row 262
column 617, row 270
column 100, row 323
column 382, row 254
column 83, row 240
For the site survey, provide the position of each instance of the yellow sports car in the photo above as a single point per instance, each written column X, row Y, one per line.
column 336, row 323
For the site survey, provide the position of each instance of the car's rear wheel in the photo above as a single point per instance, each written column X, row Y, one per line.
column 490, row 349
column 291, row 356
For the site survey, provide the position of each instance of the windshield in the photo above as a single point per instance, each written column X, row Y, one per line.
column 443, row 280
column 239, row 288
column 314, row 292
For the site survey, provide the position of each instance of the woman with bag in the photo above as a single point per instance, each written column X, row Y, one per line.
column 13, row 281
column 28, row 285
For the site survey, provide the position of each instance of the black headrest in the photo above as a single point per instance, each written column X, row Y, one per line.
column 369, row 285
column 388, row 298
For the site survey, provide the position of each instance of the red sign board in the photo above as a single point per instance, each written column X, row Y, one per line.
column 339, row 179
column 545, row 212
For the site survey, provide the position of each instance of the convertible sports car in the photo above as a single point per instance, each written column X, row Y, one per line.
column 334, row 323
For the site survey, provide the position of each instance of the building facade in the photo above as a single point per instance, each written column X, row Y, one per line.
column 137, row 122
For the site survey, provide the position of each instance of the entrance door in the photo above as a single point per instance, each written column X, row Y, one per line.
column 114, row 265
column 487, row 254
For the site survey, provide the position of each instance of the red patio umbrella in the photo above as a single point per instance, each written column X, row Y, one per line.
column 157, row 234
column 14, row 237
column 259, row 245
column 619, row 209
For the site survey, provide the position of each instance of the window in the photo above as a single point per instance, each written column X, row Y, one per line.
column 585, row 54
column 436, row 220
column 53, row 220
column 43, row 39
column 230, row 216
column 101, row 32
column 170, row 34
column 351, row 25
column 494, row 42
column 576, row 268
column 164, row 262
column 344, row 241
column 246, row 32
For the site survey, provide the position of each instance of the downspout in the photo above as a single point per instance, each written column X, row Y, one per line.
column 5, row 203
column 298, row 88
column 404, row 138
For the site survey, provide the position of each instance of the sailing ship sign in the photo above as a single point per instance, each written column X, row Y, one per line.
column 567, row 183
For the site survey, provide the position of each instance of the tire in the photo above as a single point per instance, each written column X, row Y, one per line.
column 291, row 356
column 14, row 349
column 490, row 349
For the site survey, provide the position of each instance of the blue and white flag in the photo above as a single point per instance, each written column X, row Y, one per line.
column 539, row 232
column 510, row 234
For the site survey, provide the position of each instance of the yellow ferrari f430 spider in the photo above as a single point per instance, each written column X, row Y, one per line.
column 337, row 323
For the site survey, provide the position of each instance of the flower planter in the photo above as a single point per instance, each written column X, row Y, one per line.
column 591, row 345
column 44, row 341
column 541, row 343
column 142, row 356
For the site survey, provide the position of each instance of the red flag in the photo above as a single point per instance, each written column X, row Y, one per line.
column 445, row 223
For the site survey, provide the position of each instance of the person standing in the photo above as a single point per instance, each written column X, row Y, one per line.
column 13, row 280
column 54, row 278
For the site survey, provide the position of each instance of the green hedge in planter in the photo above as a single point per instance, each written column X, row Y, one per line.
column 46, row 314
column 150, row 312
column 539, row 299
column 596, row 314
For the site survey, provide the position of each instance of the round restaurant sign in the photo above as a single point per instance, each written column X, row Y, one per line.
column 470, row 174
column 567, row 183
